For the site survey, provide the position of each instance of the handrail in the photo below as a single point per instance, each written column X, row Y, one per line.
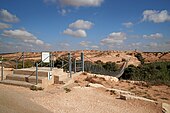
column 37, row 64
column 34, row 72
column 2, row 71
column 5, row 62
column 116, row 73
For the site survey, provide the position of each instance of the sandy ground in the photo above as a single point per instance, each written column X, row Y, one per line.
column 160, row 93
column 75, row 100
column 12, row 101
column 91, row 100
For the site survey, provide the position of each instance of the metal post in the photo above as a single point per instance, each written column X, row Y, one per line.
column 51, row 62
column 2, row 71
column 75, row 66
column 22, row 59
column 82, row 60
column 36, row 73
column 69, row 57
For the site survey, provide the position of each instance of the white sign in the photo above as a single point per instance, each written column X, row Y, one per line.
column 49, row 75
column 45, row 57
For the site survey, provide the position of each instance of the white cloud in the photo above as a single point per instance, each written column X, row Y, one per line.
column 136, row 44
column 4, row 26
column 22, row 46
column 153, row 44
column 22, row 35
column 95, row 47
column 63, row 12
column 84, row 43
column 76, row 33
column 21, row 40
column 114, row 38
column 64, row 44
column 52, row 1
column 128, row 24
column 156, row 16
column 7, row 16
column 153, row 36
column 81, row 24
column 78, row 3
column 77, row 29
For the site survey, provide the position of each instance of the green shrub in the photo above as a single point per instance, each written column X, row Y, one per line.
column 140, row 58
column 110, row 66
column 99, row 67
column 156, row 73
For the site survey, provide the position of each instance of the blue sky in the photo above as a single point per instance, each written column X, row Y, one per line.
column 51, row 25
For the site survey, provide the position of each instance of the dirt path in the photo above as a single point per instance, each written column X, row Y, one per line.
column 12, row 101
column 91, row 100
column 78, row 100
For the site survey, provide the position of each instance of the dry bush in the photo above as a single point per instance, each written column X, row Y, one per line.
column 67, row 90
column 97, row 80
column 84, row 73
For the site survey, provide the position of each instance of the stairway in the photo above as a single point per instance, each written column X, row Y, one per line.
column 27, row 78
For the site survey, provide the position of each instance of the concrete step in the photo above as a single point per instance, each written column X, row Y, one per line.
column 26, row 78
column 17, row 83
column 30, row 72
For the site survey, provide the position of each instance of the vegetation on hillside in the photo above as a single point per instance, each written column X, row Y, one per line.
column 156, row 73
column 99, row 67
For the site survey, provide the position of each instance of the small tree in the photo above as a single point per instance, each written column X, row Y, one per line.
column 140, row 58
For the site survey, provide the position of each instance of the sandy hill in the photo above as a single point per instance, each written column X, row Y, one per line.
column 94, row 55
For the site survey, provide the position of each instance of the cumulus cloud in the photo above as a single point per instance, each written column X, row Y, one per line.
column 7, row 16
column 95, row 47
column 21, row 40
column 84, row 43
column 156, row 16
column 81, row 24
column 77, row 29
column 127, row 24
column 154, row 36
column 13, row 46
column 114, row 38
column 4, row 26
column 22, row 35
column 77, row 3
column 76, row 33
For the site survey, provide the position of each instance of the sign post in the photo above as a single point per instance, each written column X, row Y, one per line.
column 45, row 57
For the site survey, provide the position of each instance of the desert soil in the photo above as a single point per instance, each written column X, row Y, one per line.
column 78, row 100
column 160, row 93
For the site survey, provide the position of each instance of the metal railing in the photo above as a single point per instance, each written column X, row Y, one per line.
column 12, row 60
column 37, row 64
column 117, row 73
column 2, row 71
